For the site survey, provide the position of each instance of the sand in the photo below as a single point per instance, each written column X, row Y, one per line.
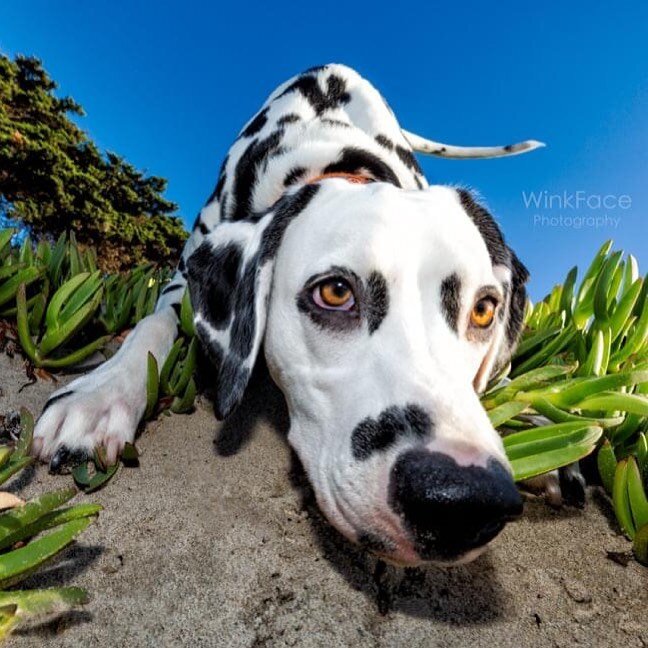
column 215, row 541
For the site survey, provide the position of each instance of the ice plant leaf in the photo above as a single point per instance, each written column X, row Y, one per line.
column 606, row 463
column 19, row 563
column 620, row 499
column 55, row 337
column 502, row 413
column 12, row 521
column 186, row 315
column 46, row 601
column 640, row 545
column 60, row 297
column 22, row 325
column 24, row 443
column 49, row 520
column 636, row 494
column 9, row 288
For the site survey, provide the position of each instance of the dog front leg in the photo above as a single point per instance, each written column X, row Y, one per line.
column 104, row 407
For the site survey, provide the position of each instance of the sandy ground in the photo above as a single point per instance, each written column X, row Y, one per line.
column 215, row 541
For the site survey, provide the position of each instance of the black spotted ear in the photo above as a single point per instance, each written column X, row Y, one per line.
column 517, row 302
column 513, row 275
column 230, row 277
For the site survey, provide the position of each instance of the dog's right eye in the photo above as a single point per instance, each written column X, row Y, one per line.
column 334, row 294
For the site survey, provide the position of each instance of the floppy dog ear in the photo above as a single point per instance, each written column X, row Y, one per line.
column 230, row 279
column 513, row 275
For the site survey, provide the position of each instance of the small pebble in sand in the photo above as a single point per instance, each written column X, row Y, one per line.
column 576, row 590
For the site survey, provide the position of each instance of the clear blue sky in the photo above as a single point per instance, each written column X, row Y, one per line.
column 168, row 85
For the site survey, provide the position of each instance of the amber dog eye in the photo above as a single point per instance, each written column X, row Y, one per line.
column 483, row 312
column 334, row 294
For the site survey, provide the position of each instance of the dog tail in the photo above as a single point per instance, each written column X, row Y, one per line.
column 423, row 145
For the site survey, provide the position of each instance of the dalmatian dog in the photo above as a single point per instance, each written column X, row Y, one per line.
column 382, row 305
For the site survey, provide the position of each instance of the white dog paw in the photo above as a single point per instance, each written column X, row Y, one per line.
column 100, row 409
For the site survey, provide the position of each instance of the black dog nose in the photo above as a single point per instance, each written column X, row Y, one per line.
column 450, row 509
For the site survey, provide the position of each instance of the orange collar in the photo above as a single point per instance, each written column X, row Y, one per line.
column 354, row 178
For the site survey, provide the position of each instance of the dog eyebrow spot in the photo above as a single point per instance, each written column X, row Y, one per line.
column 293, row 175
column 383, row 140
column 170, row 288
column 256, row 124
column 289, row 118
column 372, row 435
column 451, row 300
column 378, row 300
column 355, row 160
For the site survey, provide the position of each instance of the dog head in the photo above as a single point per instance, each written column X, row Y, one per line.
column 382, row 313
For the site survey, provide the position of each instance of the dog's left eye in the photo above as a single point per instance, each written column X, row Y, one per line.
column 483, row 312
column 334, row 294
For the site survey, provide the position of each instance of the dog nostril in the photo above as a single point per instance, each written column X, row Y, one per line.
column 450, row 509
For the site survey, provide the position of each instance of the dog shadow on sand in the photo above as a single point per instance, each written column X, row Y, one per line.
column 463, row 595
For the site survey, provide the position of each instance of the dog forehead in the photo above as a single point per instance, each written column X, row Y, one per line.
column 379, row 226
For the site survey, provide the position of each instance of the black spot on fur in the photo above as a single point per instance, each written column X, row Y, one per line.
column 232, row 381
column 182, row 266
column 293, row 175
column 506, row 290
column 224, row 203
column 290, row 118
column 287, row 208
column 219, row 186
column 247, row 169
column 171, row 288
column 280, row 150
column 377, row 300
column 451, row 300
column 335, row 122
column 256, row 124
column 53, row 400
column 407, row 158
column 385, row 142
column 244, row 323
column 204, row 230
column 356, row 160
column 520, row 275
column 497, row 249
column 212, row 348
column 212, row 278
column 372, row 435
column 309, row 86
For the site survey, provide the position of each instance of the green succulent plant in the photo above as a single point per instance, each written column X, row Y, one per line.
column 33, row 533
column 578, row 383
